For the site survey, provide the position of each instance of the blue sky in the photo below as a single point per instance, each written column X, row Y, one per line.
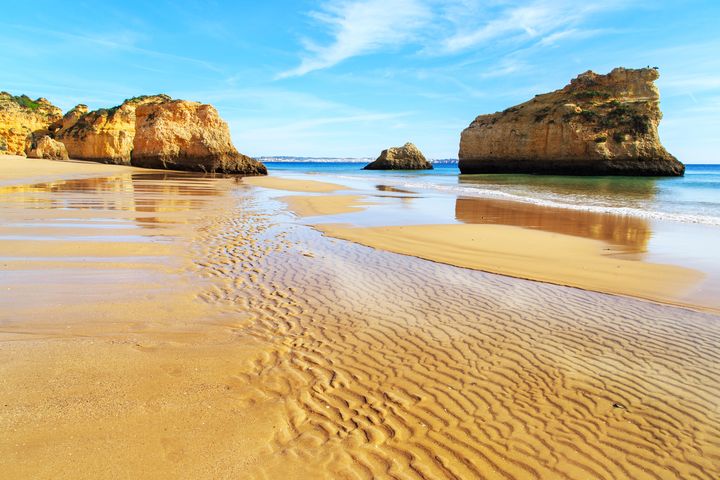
column 351, row 77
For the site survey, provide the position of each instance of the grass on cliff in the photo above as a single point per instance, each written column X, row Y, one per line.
column 616, row 116
column 27, row 102
column 591, row 94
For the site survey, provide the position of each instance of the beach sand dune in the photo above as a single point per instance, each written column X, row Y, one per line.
column 221, row 341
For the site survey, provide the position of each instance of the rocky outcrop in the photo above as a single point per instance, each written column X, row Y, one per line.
column 171, row 134
column 105, row 135
column 183, row 135
column 20, row 118
column 596, row 125
column 46, row 147
column 407, row 157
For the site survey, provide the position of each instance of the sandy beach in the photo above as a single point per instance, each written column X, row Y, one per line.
column 172, row 325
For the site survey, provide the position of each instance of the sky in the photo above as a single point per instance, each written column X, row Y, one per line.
column 348, row 78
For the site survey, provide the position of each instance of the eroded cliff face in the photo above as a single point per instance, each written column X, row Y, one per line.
column 183, row 135
column 20, row 118
column 105, row 135
column 407, row 157
column 596, row 125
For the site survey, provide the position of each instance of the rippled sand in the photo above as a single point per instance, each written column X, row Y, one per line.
column 174, row 326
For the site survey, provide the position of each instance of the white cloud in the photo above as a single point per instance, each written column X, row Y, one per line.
column 572, row 33
column 361, row 27
column 549, row 20
column 442, row 27
column 303, row 127
column 121, row 40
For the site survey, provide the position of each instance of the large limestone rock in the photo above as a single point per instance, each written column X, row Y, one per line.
column 407, row 157
column 20, row 118
column 105, row 135
column 46, row 147
column 183, row 135
column 596, row 125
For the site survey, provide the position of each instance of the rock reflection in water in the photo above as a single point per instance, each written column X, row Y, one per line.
column 148, row 199
column 629, row 233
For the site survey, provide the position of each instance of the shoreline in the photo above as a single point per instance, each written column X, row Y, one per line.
column 589, row 260
column 317, row 199
column 18, row 170
column 660, row 283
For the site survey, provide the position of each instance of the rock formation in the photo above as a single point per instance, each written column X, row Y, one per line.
column 596, row 125
column 105, row 135
column 148, row 131
column 182, row 135
column 407, row 157
column 46, row 147
column 20, row 118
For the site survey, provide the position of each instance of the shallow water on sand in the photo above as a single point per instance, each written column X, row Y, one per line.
column 250, row 345
column 694, row 198
column 427, row 198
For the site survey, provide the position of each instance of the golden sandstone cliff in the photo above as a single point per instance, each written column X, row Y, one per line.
column 105, row 135
column 21, row 118
column 147, row 131
column 596, row 125
column 182, row 135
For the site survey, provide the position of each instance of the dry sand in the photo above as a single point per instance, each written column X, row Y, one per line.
column 25, row 171
column 199, row 336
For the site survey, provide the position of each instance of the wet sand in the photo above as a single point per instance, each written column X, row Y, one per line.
column 531, row 254
column 586, row 250
column 204, row 333
column 292, row 185
column 311, row 206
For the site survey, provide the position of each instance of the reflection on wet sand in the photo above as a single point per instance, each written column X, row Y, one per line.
column 629, row 233
column 161, row 193
column 87, row 231
column 390, row 188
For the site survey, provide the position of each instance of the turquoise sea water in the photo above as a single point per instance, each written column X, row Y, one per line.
column 694, row 198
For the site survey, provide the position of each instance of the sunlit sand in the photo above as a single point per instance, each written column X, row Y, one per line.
column 163, row 325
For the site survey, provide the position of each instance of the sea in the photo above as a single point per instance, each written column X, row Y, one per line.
column 692, row 199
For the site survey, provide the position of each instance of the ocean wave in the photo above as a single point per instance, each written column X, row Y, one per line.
column 614, row 210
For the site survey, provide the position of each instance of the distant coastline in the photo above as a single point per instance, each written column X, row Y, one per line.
column 289, row 159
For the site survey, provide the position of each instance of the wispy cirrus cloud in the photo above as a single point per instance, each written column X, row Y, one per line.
column 123, row 40
column 359, row 27
column 441, row 27
column 549, row 21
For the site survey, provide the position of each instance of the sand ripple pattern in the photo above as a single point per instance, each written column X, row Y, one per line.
column 394, row 367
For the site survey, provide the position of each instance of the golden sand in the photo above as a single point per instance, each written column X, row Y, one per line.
column 21, row 170
column 201, row 337
column 531, row 254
